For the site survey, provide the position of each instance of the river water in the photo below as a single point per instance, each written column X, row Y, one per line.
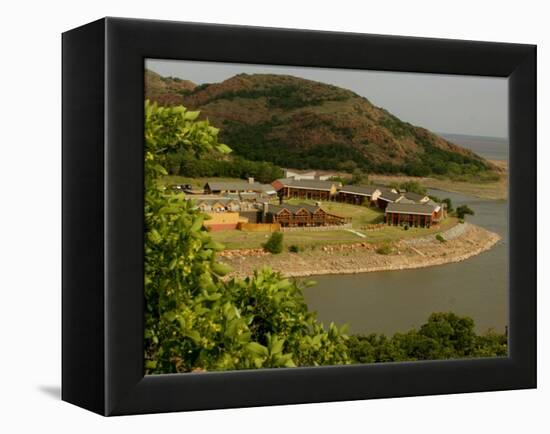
column 396, row 301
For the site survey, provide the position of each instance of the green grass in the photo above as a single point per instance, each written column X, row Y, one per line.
column 250, row 240
column 235, row 239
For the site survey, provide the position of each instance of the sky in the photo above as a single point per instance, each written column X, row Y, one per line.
column 454, row 104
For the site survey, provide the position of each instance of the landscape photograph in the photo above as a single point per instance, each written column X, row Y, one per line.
column 301, row 217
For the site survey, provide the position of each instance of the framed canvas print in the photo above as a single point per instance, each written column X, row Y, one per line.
column 258, row 216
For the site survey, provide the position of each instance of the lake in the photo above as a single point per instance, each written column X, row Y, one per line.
column 396, row 301
column 492, row 148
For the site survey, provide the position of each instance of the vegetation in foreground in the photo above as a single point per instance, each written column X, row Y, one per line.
column 194, row 321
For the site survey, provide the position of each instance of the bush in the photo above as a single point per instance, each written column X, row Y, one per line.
column 275, row 243
column 294, row 248
column 440, row 238
column 443, row 336
column 194, row 320
column 384, row 249
column 464, row 210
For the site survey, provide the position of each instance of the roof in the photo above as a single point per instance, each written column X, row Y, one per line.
column 363, row 190
column 410, row 208
column 275, row 209
column 239, row 185
column 311, row 184
column 405, row 200
column 389, row 196
column 222, row 201
column 414, row 196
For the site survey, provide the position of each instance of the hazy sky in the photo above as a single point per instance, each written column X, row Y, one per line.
column 442, row 103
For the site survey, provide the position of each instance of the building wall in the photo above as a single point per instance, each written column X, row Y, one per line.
column 222, row 220
column 259, row 227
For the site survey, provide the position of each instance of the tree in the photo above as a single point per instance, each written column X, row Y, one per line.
column 443, row 336
column 275, row 243
column 413, row 187
column 194, row 320
column 463, row 210
column 359, row 177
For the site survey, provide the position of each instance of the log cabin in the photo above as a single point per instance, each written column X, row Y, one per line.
column 413, row 214
column 358, row 195
column 301, row 215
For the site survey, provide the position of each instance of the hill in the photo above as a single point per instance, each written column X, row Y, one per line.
column 303, row 124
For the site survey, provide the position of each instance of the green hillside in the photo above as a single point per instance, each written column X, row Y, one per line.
column 303, row 124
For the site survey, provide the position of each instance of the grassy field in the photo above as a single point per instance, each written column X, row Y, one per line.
column 235, row 239
column 250, row 240
column 495, row 190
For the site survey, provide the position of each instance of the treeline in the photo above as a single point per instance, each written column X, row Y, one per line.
column 444, row 336
column 256, row 143
column 188, row 165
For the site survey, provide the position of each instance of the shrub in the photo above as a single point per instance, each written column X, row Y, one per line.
column 384, row 249
column 194, row 320
column 275, row 243
column 294, row 248
column 440, row 238
column 464, row 210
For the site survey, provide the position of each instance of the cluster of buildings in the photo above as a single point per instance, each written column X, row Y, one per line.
column 399, row 207
column 230, row 203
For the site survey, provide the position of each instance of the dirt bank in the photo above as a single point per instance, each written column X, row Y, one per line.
column 462, row 242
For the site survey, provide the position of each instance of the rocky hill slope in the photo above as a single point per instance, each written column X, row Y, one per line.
column 299, row 123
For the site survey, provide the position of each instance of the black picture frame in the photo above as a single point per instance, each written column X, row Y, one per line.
column 102, row 294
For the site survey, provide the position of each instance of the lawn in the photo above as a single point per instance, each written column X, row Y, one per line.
column 234, row 239
column 248, row 240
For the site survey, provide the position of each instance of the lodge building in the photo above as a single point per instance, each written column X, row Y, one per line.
column 414, row 214
column 290, row 188
column 358, row 195
column 239, row 187
column 302, row 215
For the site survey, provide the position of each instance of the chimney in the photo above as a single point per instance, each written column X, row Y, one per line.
column 251, row 180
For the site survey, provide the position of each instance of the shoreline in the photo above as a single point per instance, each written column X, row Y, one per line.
column 462, row 242
column 494, row 190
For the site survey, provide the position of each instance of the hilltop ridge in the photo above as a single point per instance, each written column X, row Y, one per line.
column 304, row 124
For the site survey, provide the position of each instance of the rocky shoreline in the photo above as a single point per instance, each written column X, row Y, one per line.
column 461, row 242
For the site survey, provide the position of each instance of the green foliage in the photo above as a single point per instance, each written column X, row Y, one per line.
column 286, row 96
column 444, row 336
column 194, row 320
column 293, row 248
column 413, row 187
column 447, row 201
column 275, row 243
column 384, row 249
column 463, row 210
column 440, row 238
column 185, row 164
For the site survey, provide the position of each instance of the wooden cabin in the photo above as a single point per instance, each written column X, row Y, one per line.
column 412, row 214
column 358, row 195
column 301, row 215
column 239, row 187
column 387, row 196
